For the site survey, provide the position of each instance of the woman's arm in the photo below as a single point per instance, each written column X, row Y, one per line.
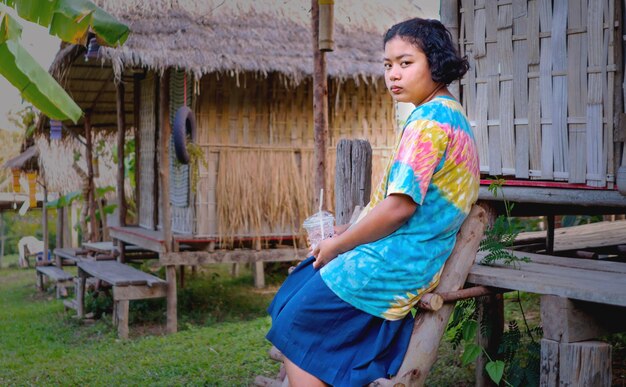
column 384, row 219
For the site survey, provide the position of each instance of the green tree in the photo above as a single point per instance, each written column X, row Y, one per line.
column 71, row 21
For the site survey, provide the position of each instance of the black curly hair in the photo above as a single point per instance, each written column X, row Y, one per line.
column 446, row 65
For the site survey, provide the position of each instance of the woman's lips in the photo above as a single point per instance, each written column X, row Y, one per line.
column 396, row 89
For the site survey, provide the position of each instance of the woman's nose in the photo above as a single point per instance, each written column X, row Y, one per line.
column 394, row 74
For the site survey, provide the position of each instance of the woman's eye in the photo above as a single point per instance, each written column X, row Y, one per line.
column 405, row 64
column 387, row 66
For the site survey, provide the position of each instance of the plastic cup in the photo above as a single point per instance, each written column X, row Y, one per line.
column 318, row 227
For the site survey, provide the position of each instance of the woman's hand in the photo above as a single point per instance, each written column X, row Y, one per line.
column 325, row 251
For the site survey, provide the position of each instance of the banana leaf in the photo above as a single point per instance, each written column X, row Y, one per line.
column 71, row 20
column 35, row 84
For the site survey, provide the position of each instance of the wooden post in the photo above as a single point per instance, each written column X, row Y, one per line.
column 46, row 237
column 491, row 314
column 2, row 239
column 450, row 19
column 353, row 177
column 120, row 318
column 320, row 105
column 121, row 139
column 430, row 326
column 60, row 234
column 550, row 235
column 80, row 284
column 137, row 119
column 164, row 173
column 93, row 236
column 258, row 269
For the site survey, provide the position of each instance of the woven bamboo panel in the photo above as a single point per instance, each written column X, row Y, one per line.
column 541, row 87
column 147, row 123
column 253, row 129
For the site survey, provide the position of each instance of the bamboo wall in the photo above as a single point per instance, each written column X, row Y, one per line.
column 541, row 88
column 257, row 135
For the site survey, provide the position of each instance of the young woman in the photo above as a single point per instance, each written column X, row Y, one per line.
column 342, row 317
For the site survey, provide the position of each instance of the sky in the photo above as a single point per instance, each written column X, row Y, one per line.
column 42, row 47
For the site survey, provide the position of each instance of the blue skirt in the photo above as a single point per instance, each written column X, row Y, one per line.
column 331, row 339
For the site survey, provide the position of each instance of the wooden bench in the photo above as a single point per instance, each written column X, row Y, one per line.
column 128, row 284
column 60, row 278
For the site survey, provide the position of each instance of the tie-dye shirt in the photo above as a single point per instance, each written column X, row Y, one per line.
column 435, row 163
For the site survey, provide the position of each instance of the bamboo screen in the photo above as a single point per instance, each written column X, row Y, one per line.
column 257, row 136
column 540, row 89
column 147, row 124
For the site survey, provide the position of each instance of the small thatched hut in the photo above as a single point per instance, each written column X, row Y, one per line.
column 244, row 67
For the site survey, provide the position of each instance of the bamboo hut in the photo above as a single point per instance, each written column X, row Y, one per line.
column 545, row 96
column 244, row 68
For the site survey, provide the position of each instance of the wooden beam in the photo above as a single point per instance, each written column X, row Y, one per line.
column 164, row 166
column 91, row 192
column 581, row 197
column 138, row 292
column 121, row 140
column 320, row 106
column 231, row 256
column 136, row 122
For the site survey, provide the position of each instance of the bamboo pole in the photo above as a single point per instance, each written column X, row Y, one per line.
column 320, row 105
column 136, row 122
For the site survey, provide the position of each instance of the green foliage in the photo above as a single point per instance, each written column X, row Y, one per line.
column 26, row 119
column 99, row 303
column 498, row 240
column 196, row 157
column 70, row 20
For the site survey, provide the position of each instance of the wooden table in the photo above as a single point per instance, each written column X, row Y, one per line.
column 128, row 284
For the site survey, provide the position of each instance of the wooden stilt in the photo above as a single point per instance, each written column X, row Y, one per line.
column 550, row 235
column 121, row 140
column 320, row 105
column 46, row 237
column 94, row 235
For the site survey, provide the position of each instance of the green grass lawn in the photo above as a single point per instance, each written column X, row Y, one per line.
column 222, row 324
column 40, row 344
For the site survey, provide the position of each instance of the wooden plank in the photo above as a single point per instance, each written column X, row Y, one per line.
column 545, row 90
column 506, row 101
column 54, row 273
column 584, row 289
column 560, row 140
column 584, row 236
column 139, row 292
column 534, row 99
column 520, row 88
column 585, row 264
column 595, row 164
column 577, row 88
column 232, row 256
column 146, row 239
column 557, row 196
column 118, row 274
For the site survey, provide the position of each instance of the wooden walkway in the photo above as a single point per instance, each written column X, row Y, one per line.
column 583, row 237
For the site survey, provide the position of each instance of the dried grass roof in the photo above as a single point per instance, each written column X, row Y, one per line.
column 260, row 36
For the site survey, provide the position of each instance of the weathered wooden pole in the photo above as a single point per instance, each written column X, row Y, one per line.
column 2, row 239
column 164, row 174
column 121, row 140
column 91, row 191
column 320, row 105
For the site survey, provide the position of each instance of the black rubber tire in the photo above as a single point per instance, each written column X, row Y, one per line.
column 184, row 126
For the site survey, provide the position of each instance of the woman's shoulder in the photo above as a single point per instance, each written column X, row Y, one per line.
column 442, row 110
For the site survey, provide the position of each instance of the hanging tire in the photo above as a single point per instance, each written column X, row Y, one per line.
column 184, row 127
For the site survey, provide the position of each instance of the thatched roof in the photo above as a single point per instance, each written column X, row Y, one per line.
column 20, row 160
column 57, row 158
column 259, row 36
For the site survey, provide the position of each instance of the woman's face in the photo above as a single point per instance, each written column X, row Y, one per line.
column 407, row 73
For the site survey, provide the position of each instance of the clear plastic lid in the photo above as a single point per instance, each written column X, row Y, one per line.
column 314, row 220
